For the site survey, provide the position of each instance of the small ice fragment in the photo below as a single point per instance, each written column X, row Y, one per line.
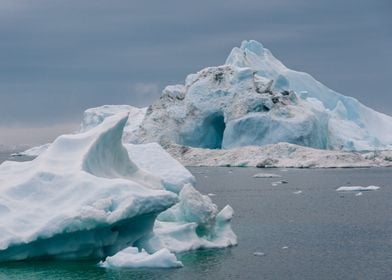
column 279, row 182
column 285, row 247
column 131, row 258
column 266, row 175
column 211, row 194
column 205, row 176
column 358, row 194
column 259, row 254
column 297, row 192
column 356, row 188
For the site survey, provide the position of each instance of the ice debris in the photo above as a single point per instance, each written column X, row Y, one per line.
column 131, row 258
column 357, row 188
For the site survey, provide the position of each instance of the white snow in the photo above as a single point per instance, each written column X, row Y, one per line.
column 34, row 151
column 266, row 175
column 87, row 198
column 357, row 188
column 131, row 258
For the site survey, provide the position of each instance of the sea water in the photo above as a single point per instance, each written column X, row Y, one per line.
column 302, row 229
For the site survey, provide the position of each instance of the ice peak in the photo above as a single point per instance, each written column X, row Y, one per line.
column 252, row 46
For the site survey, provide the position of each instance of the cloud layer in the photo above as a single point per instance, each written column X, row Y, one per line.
column 61, row 57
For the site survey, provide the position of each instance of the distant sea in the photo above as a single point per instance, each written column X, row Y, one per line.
column 302, row 229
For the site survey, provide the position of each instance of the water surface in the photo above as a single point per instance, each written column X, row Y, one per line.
column 316, row 234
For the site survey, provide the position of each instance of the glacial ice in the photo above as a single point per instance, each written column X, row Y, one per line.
column 253, row 99
column 84, row 197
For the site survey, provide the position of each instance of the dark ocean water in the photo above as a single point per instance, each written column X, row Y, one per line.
column 316, row 234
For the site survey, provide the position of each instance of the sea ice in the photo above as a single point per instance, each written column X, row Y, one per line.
column 357, row 188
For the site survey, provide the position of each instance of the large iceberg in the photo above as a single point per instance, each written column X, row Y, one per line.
column 253, row 99
column 83, row 197
column 236, row 113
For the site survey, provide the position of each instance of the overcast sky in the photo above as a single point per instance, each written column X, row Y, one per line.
column 60, row 57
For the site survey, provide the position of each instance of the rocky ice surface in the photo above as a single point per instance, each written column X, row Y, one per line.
column 85, row 197
column 282, row 155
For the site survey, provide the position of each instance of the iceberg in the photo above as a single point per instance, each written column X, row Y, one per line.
column 84, row 197
column 95, row 116
column 253, row 99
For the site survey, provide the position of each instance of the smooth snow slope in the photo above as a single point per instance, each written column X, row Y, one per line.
column 253, row 99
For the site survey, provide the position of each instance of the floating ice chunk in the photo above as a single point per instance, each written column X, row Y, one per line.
column 297, row 192
column 285, row 247
column 191, row 224
column 357, row 188
column 358, row 194
column 266, row 175
column 131, row 258
column 211, row 194
column 83, row 197
column 279, row 183
column 258, row 254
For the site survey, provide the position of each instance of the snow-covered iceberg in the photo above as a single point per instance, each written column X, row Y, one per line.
column 84, row 197
column 253, row 99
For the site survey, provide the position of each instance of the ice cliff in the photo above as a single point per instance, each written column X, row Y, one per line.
column 85, row 197
column 253, row 99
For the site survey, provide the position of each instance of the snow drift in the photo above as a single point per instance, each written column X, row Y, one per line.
column 83, row 197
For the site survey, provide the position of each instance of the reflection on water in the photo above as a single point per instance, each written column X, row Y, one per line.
column 197, row 264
